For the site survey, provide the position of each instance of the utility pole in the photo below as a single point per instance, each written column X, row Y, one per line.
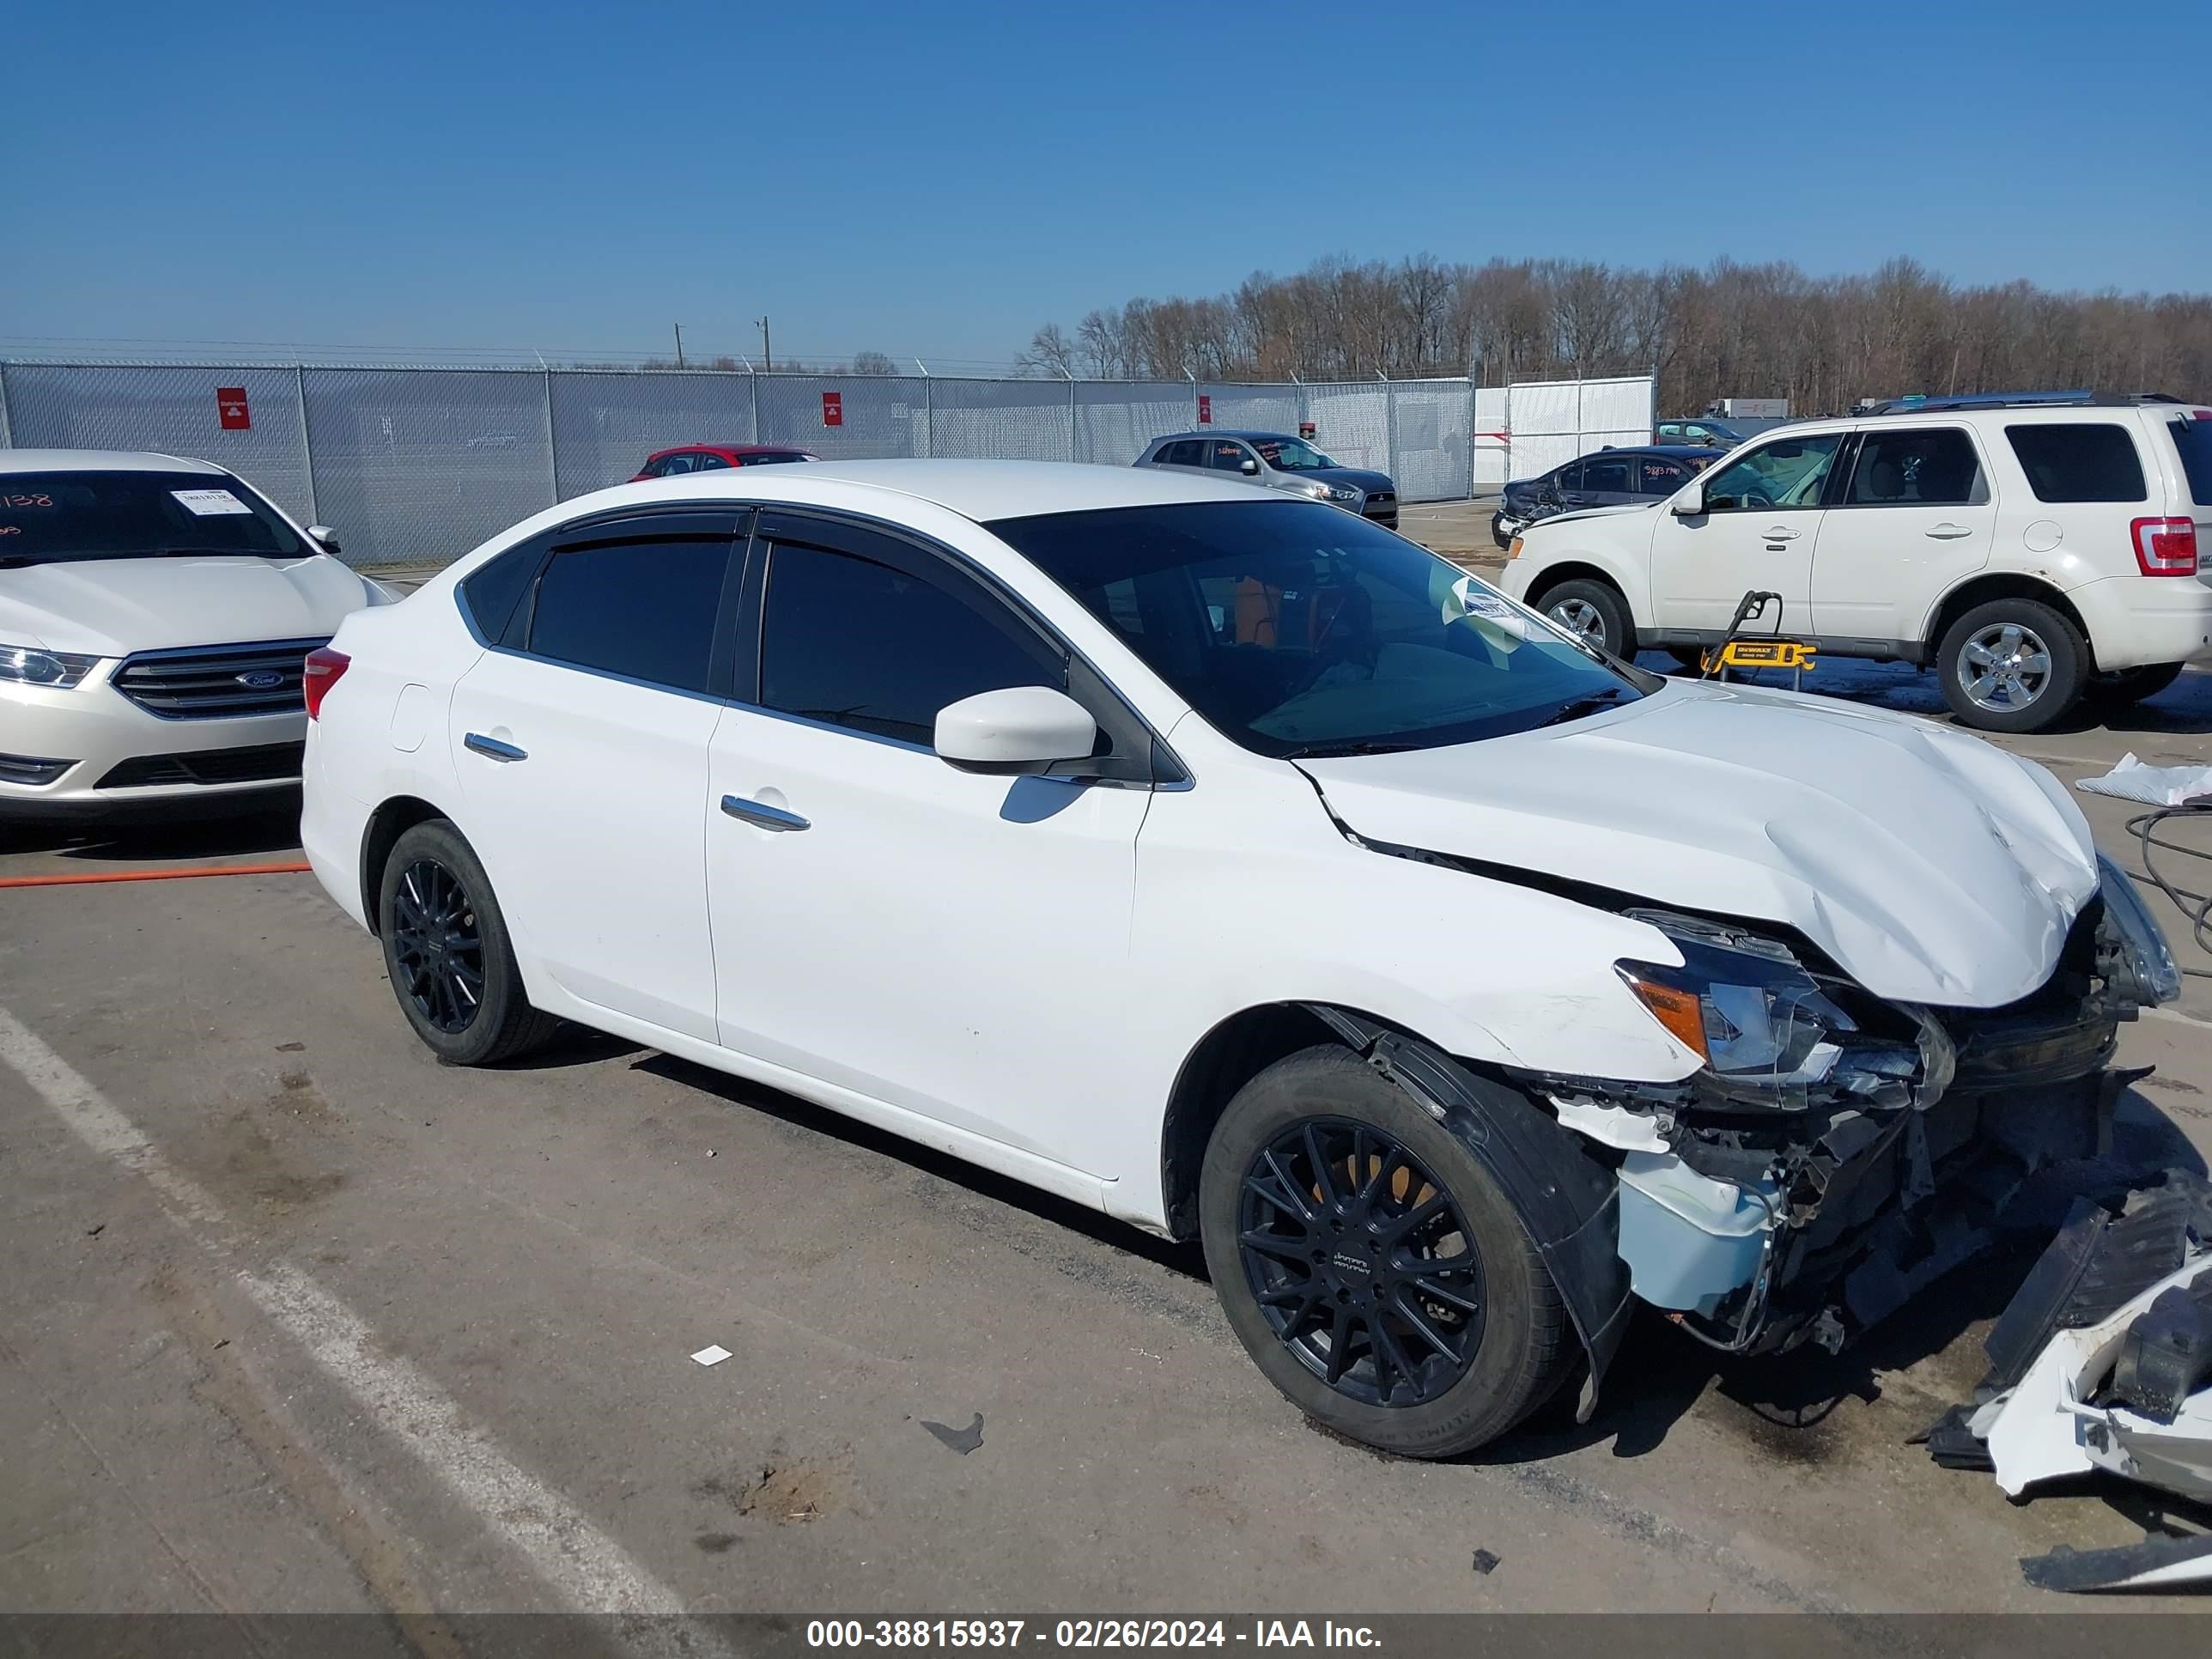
column 767, row 357
column 679, row 345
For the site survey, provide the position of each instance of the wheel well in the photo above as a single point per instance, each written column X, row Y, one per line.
column 1227, row 1058
column 1982, row 589
column 1569, row 573
column 386, row 825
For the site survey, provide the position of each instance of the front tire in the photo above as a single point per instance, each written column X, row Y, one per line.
column 2121, row 686
column 2011, row 665
column 447, row 953
column 1371, row 1266
column 1594, row 611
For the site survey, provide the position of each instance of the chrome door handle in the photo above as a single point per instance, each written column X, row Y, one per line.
column 760, row 812
column 1948, row 532
column 493, row 747
column 1782, row 533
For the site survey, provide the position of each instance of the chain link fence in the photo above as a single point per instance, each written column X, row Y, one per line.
column 418, row 466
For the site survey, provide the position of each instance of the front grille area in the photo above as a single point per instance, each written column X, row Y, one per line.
column 267, row 762
column 1383, row 508
column 217, row 682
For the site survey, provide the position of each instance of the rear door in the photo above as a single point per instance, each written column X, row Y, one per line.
column 1762, row 520
column 581, row 742
column 1660, row 476
column 1917, row 516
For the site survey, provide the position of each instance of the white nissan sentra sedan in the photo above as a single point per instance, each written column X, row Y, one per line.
column 155, row 615
column 1231, row 865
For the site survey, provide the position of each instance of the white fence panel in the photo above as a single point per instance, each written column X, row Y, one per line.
column 1433, row 438
column 606, row 425
column 1115, row 419
column 1493, row 443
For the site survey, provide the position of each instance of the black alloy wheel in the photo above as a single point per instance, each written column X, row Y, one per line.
column 1361, row 1262
column 438, row 946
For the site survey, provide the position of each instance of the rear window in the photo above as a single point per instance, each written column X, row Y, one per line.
column 2192, row 440
column 2066, row 461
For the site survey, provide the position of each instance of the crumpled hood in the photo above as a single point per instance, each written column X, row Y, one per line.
column 112, row 607
column 1932, row 866
column 1613, row 511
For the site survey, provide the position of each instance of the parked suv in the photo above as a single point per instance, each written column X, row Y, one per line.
column 1279, row 463
column 156, row 617
column 2033, row 556
column 1297, row 910
column 1611, row 477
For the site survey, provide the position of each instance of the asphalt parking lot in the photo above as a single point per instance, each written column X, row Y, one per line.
column 295, row 1318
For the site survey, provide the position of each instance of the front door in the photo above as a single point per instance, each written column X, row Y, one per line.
column 953, row 945
column 582, row 757
column 1763, row 517
column 1915, row 518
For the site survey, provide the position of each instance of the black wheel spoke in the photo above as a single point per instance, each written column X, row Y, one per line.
column 1339, row 1231
column 437, row 945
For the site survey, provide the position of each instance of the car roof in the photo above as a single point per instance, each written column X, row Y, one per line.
column 735, row 449
column 102, row 460
column 980, row 490
column 1230, row 431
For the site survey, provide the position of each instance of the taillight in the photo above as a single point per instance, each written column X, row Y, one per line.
column 2164, row 547
column 324, row 667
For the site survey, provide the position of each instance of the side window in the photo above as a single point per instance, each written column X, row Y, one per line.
column 1664, row 477
column 645, row 610
column 672, row 465
column 1224, row 457
column 707, row 461
column 490, row 593
column 852, row 643
column 1937, row 467
column 1609, row 475
column 1184, row 452
column 1569, row 477
column 1785, row 473
column 2086, row 462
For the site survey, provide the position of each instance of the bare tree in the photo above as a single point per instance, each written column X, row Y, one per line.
column 1049, row 352
column 873, row 362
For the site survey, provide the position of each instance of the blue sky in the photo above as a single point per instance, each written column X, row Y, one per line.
column 941, row 178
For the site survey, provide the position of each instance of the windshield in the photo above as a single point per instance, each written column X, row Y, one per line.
column 1297, row 628
column 50, row 516
column 1788, row 473
column 1290, row 454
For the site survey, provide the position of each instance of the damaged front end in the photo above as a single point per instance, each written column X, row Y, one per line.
column 1835, row 1152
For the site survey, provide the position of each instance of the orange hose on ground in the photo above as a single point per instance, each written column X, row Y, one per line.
column 90, row 879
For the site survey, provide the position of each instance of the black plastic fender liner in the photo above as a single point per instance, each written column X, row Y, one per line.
column 1568, row 1201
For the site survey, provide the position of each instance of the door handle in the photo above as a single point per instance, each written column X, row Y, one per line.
column 1948, row 532
column 760, row 812
column 493, row 749
column 1782, row 533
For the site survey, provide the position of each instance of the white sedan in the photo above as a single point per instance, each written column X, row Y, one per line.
column 155, row 616
column 1231, row 865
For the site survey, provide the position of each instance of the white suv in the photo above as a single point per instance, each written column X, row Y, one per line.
column 1231, row 865
column 2033, row 554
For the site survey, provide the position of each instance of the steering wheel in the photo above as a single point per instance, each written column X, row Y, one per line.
column 1756, row 498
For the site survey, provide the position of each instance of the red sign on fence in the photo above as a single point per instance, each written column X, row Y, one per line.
column 1307, row 430
column 833, row 409
column 1205, row 409
column 230, row 409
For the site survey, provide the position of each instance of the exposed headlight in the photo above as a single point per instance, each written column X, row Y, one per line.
column 1744, row 1006
column 1320, row 492
column 2142, row 941
column 24, row 665
column 1342, row 493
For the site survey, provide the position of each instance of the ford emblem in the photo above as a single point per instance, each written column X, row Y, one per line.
column 261, row 679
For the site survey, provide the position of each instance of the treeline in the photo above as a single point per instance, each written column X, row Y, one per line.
column 1765, row 331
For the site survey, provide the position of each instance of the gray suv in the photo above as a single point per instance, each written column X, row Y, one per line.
column 1280, row 462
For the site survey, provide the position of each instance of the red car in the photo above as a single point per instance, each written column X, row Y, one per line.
column 706, row 458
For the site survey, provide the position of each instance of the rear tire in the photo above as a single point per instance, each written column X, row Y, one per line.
column 2011, row 665
column 1498, row 1332
column 2121, row 686
column 1593, row 610
column 447, row 953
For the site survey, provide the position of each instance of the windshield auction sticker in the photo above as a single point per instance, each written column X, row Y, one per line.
column 210, row 503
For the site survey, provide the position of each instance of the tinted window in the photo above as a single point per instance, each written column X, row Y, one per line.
column 672, row 465
column 773, row 457
column 1935, row 468
column 1664, row 477
column 2193, row 438
column 491, row 591
column 707, row 461
column 1184, row 452
column 1569, row 477
column 1293, row 627
column 1611, row 476
column 1788, row 473
column 51, row 516
column 2084, row 462
column 1228, row 457
column 852, row 643
column 646, row 610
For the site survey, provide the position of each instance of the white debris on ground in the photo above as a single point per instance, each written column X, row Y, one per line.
column 2154, row 786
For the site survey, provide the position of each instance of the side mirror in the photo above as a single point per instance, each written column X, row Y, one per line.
column 325, row 536
column 1021, row 731
column 1689, row 502
column 1249, row 468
